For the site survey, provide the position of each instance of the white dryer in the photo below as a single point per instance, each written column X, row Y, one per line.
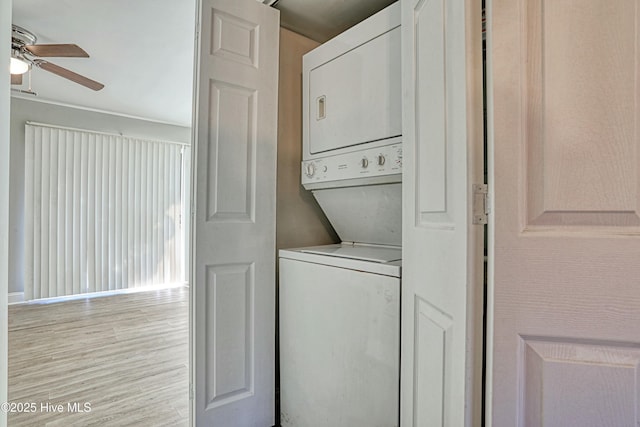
column 340, row 336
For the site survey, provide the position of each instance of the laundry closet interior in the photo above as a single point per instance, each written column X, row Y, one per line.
column 331, row 213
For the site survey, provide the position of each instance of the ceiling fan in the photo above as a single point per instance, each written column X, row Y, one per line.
column 25, row 53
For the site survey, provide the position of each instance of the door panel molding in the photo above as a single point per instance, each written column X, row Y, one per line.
column 430, row 114
column 230, row 292
column 231, row 153
column 574, row 132
column 578, row 382
column 433, row 329
column 235, row 39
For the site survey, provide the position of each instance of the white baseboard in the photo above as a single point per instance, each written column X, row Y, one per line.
column 16, row 297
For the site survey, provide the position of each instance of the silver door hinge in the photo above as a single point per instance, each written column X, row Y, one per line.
column 480, row 203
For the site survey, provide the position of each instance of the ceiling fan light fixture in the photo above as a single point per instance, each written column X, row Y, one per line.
column 18, row 66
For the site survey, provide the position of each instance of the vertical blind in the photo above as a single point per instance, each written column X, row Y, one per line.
column 103, row 212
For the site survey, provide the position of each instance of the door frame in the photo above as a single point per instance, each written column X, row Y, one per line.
column 190, row 211
column 5, row 118
column 490, row 150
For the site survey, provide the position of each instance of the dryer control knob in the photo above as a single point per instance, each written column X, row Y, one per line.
column 310, row 169
column 381, row 159
column 364, row 163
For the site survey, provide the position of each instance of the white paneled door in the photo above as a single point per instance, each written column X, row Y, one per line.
column 233, row 273
column 442, row 249
column 566, row 346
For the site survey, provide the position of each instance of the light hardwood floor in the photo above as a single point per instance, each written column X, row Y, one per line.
column 126, row 355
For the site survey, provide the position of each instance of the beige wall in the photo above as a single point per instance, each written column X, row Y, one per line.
column 300, row 221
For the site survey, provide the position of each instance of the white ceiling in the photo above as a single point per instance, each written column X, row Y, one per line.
column 142, row 51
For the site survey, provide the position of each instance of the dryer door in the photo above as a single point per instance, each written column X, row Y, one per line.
column 356, row 97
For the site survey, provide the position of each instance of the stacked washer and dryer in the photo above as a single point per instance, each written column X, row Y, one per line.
column 340, row 304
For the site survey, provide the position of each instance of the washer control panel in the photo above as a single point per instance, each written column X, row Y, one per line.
column 371, row 162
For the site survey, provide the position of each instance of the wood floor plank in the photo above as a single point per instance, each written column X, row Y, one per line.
column 127, row 355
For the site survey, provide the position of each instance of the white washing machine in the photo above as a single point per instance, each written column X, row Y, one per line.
column 340, row 336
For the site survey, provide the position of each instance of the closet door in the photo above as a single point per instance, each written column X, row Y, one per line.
column 233, row 271
column 442, row 248
column 566, row 345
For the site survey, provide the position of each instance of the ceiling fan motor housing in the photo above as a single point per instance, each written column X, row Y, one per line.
column 21, row 37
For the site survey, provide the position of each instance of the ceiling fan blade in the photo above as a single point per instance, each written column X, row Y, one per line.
column 16, row 79
column 58, row 50
column 68, row 74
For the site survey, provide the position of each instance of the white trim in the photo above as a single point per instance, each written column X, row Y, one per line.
column 492, row 221
column 96, row 132
column 5, row 138
column 16, row 297
column 97, row 294
column 96, row 110
column 191, row 266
